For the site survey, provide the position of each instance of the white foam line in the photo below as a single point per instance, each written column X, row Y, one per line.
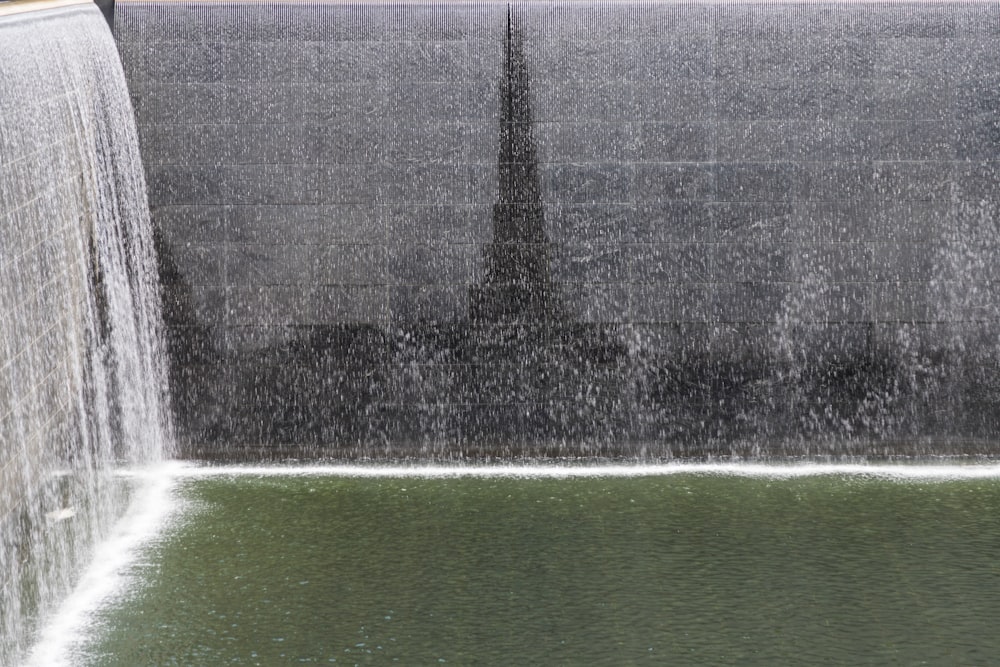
column 153, row 505
column 564, row 471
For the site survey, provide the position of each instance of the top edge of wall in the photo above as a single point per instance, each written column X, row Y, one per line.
column 553, row 2
column 24, row 6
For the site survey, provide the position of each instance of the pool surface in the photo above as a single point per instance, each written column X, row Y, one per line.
column 682, row 569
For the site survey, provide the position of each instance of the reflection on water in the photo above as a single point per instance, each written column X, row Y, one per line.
column 671, row 569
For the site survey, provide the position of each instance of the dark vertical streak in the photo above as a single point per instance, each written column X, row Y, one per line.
column 517, row 286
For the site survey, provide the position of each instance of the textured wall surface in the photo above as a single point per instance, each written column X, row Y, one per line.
column 777, row 182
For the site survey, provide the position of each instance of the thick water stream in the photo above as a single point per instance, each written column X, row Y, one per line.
column 82, row 374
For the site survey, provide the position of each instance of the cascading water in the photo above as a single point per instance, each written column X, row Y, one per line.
column 82, row 375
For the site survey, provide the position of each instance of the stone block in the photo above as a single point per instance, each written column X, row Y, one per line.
column 192, row 144
column 675, row 142
column 673, row 303
column 836, row 181
column 158, row 103
column 848, row 302
column 557, row 60
column 676, row 55
column 748, row 262
column 207, row 303
column 589, row 101
column 186, row 62
column 747, row 302
column 759, row 181
column 834, row 98
column 824, row 54
column 483, row 185
column 449, row 101
column 421, row 183
column 901, row 302
column 427, row 303
column 756, row 141
column 896, row 262
column 596, row 141
column 769, row 56
column 267, row 305
column 674, row 181
column 356, row 184
column 434, row 23
column 191, row 224
column 273, row 184
column 579, row 183
column 976, row 96
column 600, row 302
column 977, row 181
column 753, row 221
column 184, row 185
column 348, row 142
column 677, row 221
column 200, row 264
column 839, row 220
column 912, row 98
column 271, row 61
column 266, row 102
column 345, row 101
column 596, row 223
column 350, row 60
column 681, row 100
column 274, row 223
column 426, row 223
column 430, row 264
column 349, row 224
column 444, row 142
column 907, row 140
column 272, row 265
column 280, row 144
column 978, row 139
column 670, row 262
column 354, row 304
column 818, row 263
column 352, row 265
column 913, row 181
column 429, row 61
column 908, row 56
column 908, row 221
column 591, row 263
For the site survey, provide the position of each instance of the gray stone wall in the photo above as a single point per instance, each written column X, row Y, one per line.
column 775, row 180
column 82, row 369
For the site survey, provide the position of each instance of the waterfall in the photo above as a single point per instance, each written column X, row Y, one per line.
column 83, row 391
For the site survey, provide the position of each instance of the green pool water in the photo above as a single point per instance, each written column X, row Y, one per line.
column 685, row 569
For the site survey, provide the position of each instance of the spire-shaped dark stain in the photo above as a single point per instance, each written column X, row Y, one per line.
column 517, row 286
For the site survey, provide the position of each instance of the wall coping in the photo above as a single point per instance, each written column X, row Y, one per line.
column 23, row 6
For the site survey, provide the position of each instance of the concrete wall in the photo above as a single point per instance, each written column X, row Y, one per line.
column 722, row 180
